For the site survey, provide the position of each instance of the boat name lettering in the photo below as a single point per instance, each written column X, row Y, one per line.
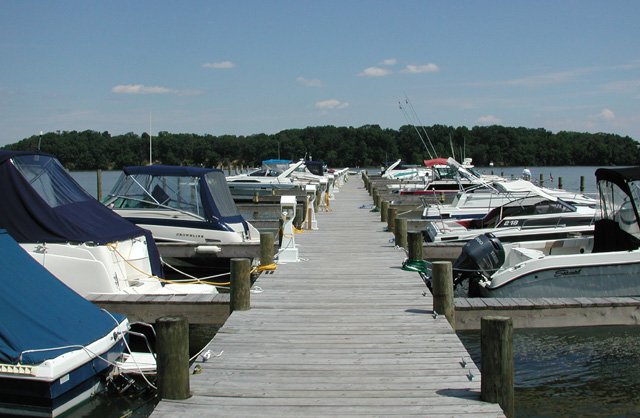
column 181, row 234
column 567, row 272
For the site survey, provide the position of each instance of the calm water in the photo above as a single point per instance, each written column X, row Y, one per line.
column 573, row 372
column 568, row 372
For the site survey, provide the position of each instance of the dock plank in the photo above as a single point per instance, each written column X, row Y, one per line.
column 343, row 332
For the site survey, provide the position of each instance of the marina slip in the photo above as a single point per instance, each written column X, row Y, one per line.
column 342, row 331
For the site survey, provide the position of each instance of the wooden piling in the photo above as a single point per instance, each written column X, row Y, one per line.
column 310, row 218
column 400, row 232
column 297, row 220
column 496, row 344
column 384, row 207
column 581, row 183
column 559, row 182
column 414, row 241
column 172, row 350
column 392, row 214
column 266, row 248
column 240, row 284
column 99, row 184
column 541, row 181
column 442, row 290
column 376, row 198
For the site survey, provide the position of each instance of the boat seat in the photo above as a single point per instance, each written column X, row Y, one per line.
column 160, row 195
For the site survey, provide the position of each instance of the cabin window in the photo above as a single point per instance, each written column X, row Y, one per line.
column 50, row 180
column 221, row 195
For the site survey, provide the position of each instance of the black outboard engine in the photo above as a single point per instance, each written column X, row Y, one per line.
column 482, row 255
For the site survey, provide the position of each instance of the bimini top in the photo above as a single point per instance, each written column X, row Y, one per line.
column 201, row 191
column 43, row 203
column 40, row 312
column 620, row 176
column 168, row 170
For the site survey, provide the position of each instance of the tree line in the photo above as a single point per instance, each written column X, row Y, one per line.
column 365, row 146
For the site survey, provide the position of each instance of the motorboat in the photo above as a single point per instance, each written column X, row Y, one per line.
column 524, row 219
column 446, row 176
column 606, row 264
column 181, row 205
column 397, row 171
column 56, row 348
column 273, row 175
column 89, row 247
column 478, row 201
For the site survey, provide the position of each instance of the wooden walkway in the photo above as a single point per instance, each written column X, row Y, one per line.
column 344, row 332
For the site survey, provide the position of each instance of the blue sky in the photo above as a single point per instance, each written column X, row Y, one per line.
column 246, row 67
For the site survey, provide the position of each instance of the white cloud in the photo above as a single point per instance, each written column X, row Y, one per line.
column 390, row 61
column 140, row 89
column 606, row 114
column 331, row 104
column 222, row 65
column 314, row 82
column 423, row 68
column 489, row 120
column 374, row 72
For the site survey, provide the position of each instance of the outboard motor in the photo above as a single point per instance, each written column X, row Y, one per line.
column 482, row 255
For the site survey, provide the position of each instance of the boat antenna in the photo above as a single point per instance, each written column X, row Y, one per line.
column 150, row 142
column 415, row 116
column 406, row 116
column 453, row 153
column 39, row 140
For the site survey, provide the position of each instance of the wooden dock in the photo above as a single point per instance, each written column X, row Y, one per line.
column 343, row 332
column 549, row 312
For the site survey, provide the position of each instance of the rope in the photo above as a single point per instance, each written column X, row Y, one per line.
column 267, row 267
column 194, row 280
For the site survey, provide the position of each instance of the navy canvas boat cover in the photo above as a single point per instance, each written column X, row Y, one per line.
column 39, row 312
column 43, row 203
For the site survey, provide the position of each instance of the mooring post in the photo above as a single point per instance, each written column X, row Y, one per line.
column 384, row 207
column 442, row 289
column 172, row 351
column 99, row 184
column 266, row 248
column 559, row 182
column 297, row 221
column 365, row 179
column 541, row 181
column 400, row 232
column 581, row 183
column 240, row 284
column 392, row 214
column 414, row 240
column 376, row 198
column 496, row 345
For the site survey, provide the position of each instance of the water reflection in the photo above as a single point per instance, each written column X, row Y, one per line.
column 588, row 372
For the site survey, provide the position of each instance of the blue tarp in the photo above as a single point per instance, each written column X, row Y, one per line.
column 43, row 203
column 38, row 311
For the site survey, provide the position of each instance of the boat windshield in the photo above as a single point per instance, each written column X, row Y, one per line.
column 50, row 180
column 157, row 192
column 221, row 195
column 618, row 206
column 527, row 206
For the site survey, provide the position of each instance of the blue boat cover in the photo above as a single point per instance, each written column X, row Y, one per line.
column 38, row 311
column 43, row 203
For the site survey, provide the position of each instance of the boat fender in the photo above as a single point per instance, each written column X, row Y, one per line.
column 208, row 249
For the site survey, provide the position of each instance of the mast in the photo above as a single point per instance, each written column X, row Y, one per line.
column 150, row 142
